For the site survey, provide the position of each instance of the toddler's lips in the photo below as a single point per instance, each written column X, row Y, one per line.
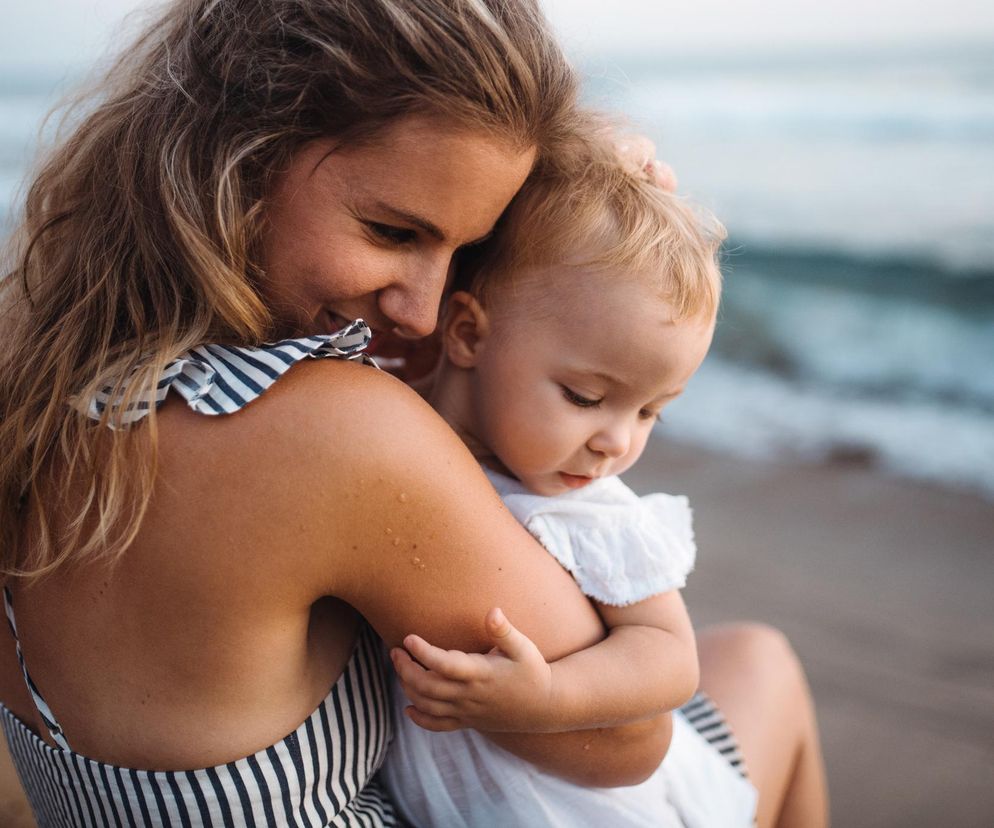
column 575, row 481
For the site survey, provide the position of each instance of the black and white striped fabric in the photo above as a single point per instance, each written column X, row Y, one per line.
column 319, row 775
column 706, row 718
column 322, row 774
column 220, row 379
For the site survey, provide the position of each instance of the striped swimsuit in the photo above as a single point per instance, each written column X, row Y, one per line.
column 322, row 774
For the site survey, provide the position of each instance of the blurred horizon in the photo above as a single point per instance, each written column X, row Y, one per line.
column 78, row 31
column 850, row 153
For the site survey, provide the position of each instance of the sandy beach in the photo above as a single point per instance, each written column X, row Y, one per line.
column 884, row 587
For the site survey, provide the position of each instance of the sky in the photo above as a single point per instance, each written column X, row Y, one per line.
column 69, row 32
column 706, row 25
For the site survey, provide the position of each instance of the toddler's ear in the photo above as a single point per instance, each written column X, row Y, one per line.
column 464, row 329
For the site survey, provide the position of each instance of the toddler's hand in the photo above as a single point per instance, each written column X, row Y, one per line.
column 508, row 689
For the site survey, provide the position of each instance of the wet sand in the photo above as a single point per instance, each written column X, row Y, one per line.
column 886, row 589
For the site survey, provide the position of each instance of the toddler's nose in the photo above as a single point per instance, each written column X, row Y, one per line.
column 611, row 441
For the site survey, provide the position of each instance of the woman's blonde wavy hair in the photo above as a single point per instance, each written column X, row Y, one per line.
column 140, row 230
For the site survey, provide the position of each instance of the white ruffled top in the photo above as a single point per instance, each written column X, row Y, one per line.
column 619, row 547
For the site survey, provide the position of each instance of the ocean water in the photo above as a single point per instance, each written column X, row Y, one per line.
column 858, row 191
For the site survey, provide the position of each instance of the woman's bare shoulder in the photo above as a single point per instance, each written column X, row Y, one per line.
column 326, row 426
column 318, row 411
column 360, row 425
column 337, row 447
column 352, row 486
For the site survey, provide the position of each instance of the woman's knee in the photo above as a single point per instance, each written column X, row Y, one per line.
column 758, row 651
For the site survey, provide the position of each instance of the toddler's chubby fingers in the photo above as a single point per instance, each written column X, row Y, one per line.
column 507, row 638
column 424, row 682
column 438, row 724
column 453, row 664
column 428, row 706
column 408, row 670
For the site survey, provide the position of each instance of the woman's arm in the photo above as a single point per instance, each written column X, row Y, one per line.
column 393, row 515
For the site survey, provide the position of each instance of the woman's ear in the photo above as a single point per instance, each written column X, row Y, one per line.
column 464, row 329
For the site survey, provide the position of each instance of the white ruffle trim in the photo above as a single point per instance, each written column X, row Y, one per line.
column 619, row 547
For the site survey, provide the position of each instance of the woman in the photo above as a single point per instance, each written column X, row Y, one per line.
column 184, row 589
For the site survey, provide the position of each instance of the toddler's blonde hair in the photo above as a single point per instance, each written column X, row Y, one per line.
column 587, row 210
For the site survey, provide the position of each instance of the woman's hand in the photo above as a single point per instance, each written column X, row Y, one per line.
column 638, row 156
column 508, row 689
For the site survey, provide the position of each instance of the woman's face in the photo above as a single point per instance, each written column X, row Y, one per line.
column 371, row 230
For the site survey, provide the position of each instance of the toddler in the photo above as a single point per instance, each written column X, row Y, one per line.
column 563, row 341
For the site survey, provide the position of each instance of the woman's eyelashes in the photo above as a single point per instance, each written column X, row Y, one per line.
column 400, row 236
column 390, row 234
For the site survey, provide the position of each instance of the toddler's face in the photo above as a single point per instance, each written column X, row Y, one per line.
column 574, row 372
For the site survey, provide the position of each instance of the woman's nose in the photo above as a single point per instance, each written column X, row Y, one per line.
column 612, row 440
column 412, row 303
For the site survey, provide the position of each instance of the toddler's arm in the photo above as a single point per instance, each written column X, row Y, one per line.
column 647, row 665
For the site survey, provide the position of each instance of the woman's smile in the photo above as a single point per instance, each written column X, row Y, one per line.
column 371, row 230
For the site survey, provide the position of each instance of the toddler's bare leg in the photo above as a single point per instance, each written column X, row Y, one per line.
column 752, row 673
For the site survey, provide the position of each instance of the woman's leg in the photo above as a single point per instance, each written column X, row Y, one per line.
column 14, row 809
column 752, row 673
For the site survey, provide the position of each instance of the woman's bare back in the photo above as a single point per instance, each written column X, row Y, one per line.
column 198, row 646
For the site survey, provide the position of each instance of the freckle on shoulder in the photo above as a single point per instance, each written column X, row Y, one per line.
column 338, row 389
column 351, row 405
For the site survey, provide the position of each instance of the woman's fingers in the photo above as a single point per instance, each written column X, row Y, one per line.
column 453, row 664
column 634, row 151
column 637, row 155
column 662, row 173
